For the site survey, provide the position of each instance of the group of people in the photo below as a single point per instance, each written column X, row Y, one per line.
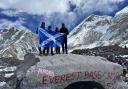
column 50, row 44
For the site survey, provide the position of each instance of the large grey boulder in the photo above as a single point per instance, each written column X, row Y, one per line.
column 58, row 71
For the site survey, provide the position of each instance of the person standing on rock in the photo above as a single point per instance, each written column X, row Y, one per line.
column 65, row 31
column 57, row 47
column 50, row 44
column 42, row 27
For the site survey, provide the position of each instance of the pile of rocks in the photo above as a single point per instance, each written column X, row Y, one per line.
column 7, row 69
column 113, row 53
column 13, row 70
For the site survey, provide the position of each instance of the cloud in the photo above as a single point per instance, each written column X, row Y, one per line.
column 36, row 6
column 56, row 11
column 81, row 9
column 103, row 6
column 62, row 6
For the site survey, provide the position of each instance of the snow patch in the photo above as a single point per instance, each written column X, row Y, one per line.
column 8, row 69
column 2, row 84
column 122, row 12
column 8, row 75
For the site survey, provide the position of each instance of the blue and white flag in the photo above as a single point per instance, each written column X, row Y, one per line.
column 50, row 38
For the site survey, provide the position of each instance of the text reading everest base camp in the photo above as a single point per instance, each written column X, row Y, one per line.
column 49, row 77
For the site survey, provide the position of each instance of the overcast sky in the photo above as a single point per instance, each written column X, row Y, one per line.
column 62, row 6
column 69, row 11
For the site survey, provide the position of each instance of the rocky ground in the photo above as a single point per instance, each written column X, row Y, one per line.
column 13, row 70
column 7, row 69
column 113, row 53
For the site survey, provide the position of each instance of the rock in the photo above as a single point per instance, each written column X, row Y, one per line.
column 113, row 53
column 15, row 80
column 29, row 61
column 58, row 65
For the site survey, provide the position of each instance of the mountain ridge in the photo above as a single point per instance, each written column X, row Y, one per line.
column 100, row 31
column 16, row 43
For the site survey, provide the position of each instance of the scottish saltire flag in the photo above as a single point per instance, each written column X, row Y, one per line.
column 50, row 38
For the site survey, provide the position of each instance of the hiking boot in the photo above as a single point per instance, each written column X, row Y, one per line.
column 52, row 54
column 40, row 54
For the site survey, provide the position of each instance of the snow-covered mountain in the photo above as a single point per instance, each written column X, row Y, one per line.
column 16, row 38
column 100, row 31
column 121, row 14
column 16, row 43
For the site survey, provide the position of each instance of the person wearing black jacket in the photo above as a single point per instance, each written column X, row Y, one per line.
column 65, row 31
